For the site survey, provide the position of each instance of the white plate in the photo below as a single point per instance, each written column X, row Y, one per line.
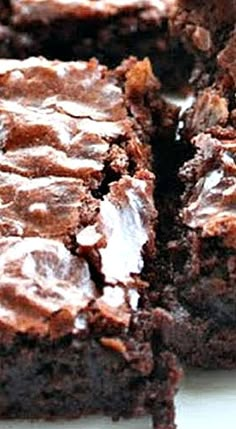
column 207, row 400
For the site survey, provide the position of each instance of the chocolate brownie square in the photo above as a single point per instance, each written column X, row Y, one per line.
column 109, row 30
column 202, row 297
column 77, row 240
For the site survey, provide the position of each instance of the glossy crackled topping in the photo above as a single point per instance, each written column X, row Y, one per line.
column 67, row 113
column 62, row 125
column 211, row 204
column 39, row 278
column 45, row 207
column 124, row 225
column 45, row 10
column 44, row 289
column 64, row 113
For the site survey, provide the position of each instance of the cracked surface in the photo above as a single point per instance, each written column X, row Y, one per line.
column 210, row 205
column 63, row 127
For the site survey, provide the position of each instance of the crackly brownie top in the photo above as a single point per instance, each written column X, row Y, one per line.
column 76, row 193
column 46, row 10
column 210, row 200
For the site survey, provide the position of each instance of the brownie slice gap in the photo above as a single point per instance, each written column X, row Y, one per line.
column 77, row 232
column 109, row 30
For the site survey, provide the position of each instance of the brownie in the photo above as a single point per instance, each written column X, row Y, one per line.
column 204, row 29
column 202, row 297
column 201, row 293
column 77, row 238
column 109, row 30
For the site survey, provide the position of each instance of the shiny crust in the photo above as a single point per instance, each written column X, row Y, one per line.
column 210, row 204
column 64, row 127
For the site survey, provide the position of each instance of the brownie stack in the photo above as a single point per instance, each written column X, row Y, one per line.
column 118, row 218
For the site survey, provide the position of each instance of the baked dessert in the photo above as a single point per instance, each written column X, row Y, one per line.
column 109, row 30
column 202, row 297
column 77, row 242
column 203, row 256
column 204, row 29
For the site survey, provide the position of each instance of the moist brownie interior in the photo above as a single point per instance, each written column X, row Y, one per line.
column 77, row 242
column 109, row 30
